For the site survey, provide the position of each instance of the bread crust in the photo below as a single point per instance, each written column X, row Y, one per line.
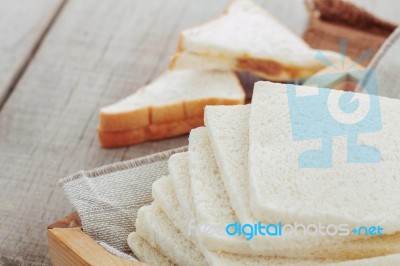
column 152, row 132
column 162, row 114
column 125, row 120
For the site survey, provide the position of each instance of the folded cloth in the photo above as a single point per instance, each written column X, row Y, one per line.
column 107, row 199
column 333, row 20
column 385, row 65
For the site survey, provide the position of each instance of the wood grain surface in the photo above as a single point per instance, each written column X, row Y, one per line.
column 94, row 53
column 22, row 26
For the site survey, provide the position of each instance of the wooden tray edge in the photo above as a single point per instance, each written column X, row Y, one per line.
column 69, row 245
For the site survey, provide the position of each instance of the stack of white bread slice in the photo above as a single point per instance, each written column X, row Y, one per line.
column 242, row 168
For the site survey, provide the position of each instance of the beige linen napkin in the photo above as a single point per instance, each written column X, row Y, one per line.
column 107, row 199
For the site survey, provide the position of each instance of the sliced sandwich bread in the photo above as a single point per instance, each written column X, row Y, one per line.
column 228, row 133
column 160, row 231
column 169, row 213
column 174, row 213
column 248, row 38
column 163, row 192
column 170, row 105
column 223, row 124
column 153, row 225
column 211, row 202
column 178, row 167
column 357, row 194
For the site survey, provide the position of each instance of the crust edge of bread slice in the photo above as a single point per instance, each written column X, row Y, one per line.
column 109, row 139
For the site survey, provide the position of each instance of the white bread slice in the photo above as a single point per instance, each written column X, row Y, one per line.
column 146, row 253
column 175, row 213
column 174, row 97
column 228, row 133
column 181, row 180
column 169, row 214
column 151, row 256
column 363, row 194
column 227, row 127
column 157, row 229
column 211, row 202
column 178, row 167
column 170, row 207
column 164, row 195
column 248, row 38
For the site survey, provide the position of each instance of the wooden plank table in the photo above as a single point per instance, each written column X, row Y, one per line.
column 60, row 63
column 23, row 24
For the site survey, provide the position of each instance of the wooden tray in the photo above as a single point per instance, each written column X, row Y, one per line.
column 69, row 245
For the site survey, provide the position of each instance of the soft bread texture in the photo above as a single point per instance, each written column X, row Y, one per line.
column 151, row 256
column 153, row 225
column 178, row 167
column 211, row 202
column 248, row 38
column 176, row 213
column 170, row 206
column 228, row 128
column 174, row 96
column 161, row 226
column 169, row 106
column 163, row 192
column 368, row 198
column 228, row 132
column 146, row 253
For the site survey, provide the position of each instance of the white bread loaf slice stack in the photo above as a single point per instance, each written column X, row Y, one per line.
column 161, row 227
column 167, row 212
column 169, row 106
column 228, row 130
column 176, row 245
column 213, row 184
column 248, row 38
